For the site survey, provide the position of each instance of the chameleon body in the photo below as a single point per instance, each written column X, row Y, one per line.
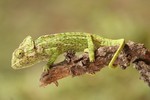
column 49, row 47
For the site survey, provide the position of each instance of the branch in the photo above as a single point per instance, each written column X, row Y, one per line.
column 132, row 53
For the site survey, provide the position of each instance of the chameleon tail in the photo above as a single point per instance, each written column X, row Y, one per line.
column 121, row 43
column 109, row 42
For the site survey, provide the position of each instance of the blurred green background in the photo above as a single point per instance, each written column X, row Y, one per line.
column 129, row 19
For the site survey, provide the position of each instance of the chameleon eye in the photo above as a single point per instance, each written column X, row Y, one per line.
column 19, row 53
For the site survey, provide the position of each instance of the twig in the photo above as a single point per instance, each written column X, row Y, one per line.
column 134, row 53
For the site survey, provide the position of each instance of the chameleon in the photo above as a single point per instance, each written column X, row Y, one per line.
column 49, row 47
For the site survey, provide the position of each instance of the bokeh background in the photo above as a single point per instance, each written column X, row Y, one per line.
column 129, row 19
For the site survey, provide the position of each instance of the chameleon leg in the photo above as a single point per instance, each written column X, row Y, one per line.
column 122, row 43
column 54, row 53
column 90, row 48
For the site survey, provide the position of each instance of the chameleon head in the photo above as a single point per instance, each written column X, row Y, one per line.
column 25, row 55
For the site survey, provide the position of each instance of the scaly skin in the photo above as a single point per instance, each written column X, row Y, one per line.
column 49, row 47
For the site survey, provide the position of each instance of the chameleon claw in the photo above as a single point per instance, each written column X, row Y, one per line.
column 86, row 50
column 56, row 83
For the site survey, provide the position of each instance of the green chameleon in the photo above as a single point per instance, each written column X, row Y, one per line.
column 49, row 47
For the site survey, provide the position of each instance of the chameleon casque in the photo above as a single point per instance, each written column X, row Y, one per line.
column 49, row 47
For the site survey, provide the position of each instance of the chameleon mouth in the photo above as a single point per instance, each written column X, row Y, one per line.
column 20, row 65
column 13, row 64
column 16, row 65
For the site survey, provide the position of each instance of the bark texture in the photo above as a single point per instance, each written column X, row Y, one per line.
column 132, row 53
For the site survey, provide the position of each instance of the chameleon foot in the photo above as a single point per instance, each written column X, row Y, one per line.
column 46, row 69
